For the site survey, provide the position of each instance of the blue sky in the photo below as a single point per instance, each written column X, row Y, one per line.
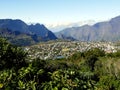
column 55, row 11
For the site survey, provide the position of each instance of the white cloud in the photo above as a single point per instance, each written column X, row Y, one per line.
column 59, row 26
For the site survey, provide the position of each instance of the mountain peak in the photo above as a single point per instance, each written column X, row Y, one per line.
column 37, row 32
column 107, row 30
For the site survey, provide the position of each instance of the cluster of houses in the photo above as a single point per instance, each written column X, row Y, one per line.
column 63, row 49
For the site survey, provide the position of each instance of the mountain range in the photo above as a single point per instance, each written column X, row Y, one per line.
column 107, row 31
column 19, row 33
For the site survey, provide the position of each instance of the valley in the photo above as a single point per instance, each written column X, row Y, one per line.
column 64, row 49
column 59, row 44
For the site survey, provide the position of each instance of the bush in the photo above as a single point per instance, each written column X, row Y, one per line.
column 11, row 56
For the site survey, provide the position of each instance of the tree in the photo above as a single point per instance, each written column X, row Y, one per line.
column 10, row 55
column 92, row 56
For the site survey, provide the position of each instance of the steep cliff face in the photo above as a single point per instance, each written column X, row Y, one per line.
column 109, row 31
column 42, row 31
column 19, row 33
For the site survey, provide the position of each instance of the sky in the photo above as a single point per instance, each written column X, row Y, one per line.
column 59, row 11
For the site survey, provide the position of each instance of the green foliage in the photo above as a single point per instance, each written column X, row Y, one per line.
column 11, row 55
column 90, row 57
column 70, row 80
column 95, row 51
column 77, row 56
column 116, row 54
column 90, row 61
column 108, row 83
column 90, row 70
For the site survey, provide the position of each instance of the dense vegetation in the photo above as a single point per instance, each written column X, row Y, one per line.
column 90, row 70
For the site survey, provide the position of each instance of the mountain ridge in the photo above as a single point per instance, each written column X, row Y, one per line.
column 107, row 30
column 34, row 33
